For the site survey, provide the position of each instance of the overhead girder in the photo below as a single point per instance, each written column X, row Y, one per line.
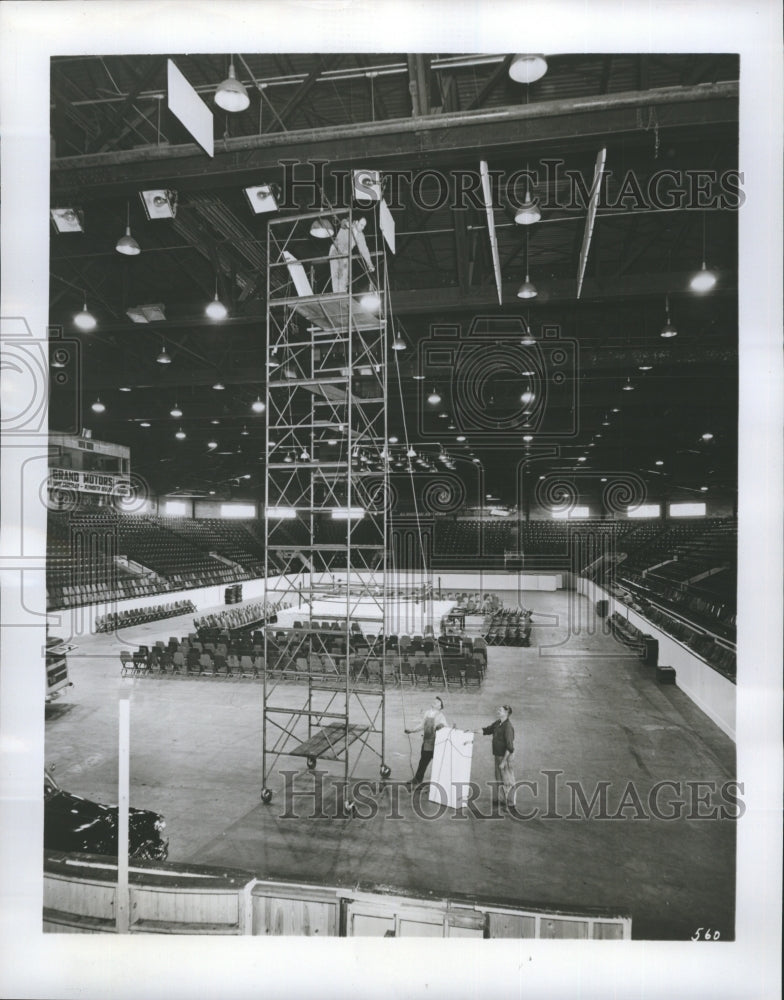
column 424, row 141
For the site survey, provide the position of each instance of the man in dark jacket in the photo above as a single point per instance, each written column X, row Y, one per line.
column 503, row 749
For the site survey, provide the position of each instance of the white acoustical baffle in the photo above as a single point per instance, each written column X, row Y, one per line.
column 451, row 767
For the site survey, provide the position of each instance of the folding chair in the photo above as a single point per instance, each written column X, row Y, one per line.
column 127, row 663
column 422, row 673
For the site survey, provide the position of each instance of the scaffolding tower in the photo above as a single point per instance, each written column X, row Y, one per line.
column 325, row 502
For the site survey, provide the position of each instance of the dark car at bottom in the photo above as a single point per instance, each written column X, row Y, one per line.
column 75, row 824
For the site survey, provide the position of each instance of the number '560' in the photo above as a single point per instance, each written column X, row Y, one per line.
column 705, row 934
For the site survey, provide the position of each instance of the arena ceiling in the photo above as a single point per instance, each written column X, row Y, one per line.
column 669, row 125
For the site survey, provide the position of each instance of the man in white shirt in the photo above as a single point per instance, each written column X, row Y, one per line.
column 432, row 720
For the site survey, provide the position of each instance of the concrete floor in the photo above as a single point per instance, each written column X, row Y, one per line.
column 582, row 706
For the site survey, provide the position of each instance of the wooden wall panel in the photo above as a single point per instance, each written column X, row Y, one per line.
column 556, row 927
column 510, row 925
column 82, row 898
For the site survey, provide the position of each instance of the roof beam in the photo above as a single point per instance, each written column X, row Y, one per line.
column 301, row 93
column 430, row 140
column 491, row 83
column 143, row 78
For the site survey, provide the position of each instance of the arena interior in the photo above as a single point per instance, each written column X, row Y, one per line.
column 406, row 376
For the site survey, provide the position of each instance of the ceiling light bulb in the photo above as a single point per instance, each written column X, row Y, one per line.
column 527, row 290
column 244, row 432
column 418, row 376
column 398, row 344
column 393, row 439
column 257, row 406
column 460, row 438
column 668, row 330
column 212, row 444
column 434, row 399
column 527, row 438
column 527, row 396
column 527, row 68
column 322, row 229
column 125, row 388
column 645, row 368
column 582, row 458
column 288, row 459
column 628, row 387
column 163, row 358
column 370, row 301
column 216, row 309
column 707, row 436
column 219, row 386
column 528, row 213
column 703, row 489
column 145, row 423
column 84, row 319
column 127, row 244
column 658, row 462
column 98, row 406
column 703, row 280
column 231, row 95
column 304, row 456
column 180, row 435
column 175, row 411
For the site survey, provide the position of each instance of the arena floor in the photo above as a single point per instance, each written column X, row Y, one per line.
column 582, row 707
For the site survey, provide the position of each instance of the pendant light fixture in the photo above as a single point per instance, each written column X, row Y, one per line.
column 370, row 300
column 528, row 289
column 434, row 398
column 322, row 229
column 164, row 358
column 176, row 411
column 628, row 387
column 398, row 344
column 668, row 330
column 216, row 309
column 528, row 339
column 231, row 95
column 85, row 319
column 180, row 435
column 704, row 279
column 527, row 68
column 527, row 397
column 257, row 405
column 127, row 244
column 528, row 213
column 98, row 406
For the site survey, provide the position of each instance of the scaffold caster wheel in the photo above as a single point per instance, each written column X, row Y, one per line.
column 311, row 762
column 266, row 795
column 385, row 771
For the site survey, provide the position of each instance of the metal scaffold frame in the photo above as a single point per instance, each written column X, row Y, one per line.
column 326, row 490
